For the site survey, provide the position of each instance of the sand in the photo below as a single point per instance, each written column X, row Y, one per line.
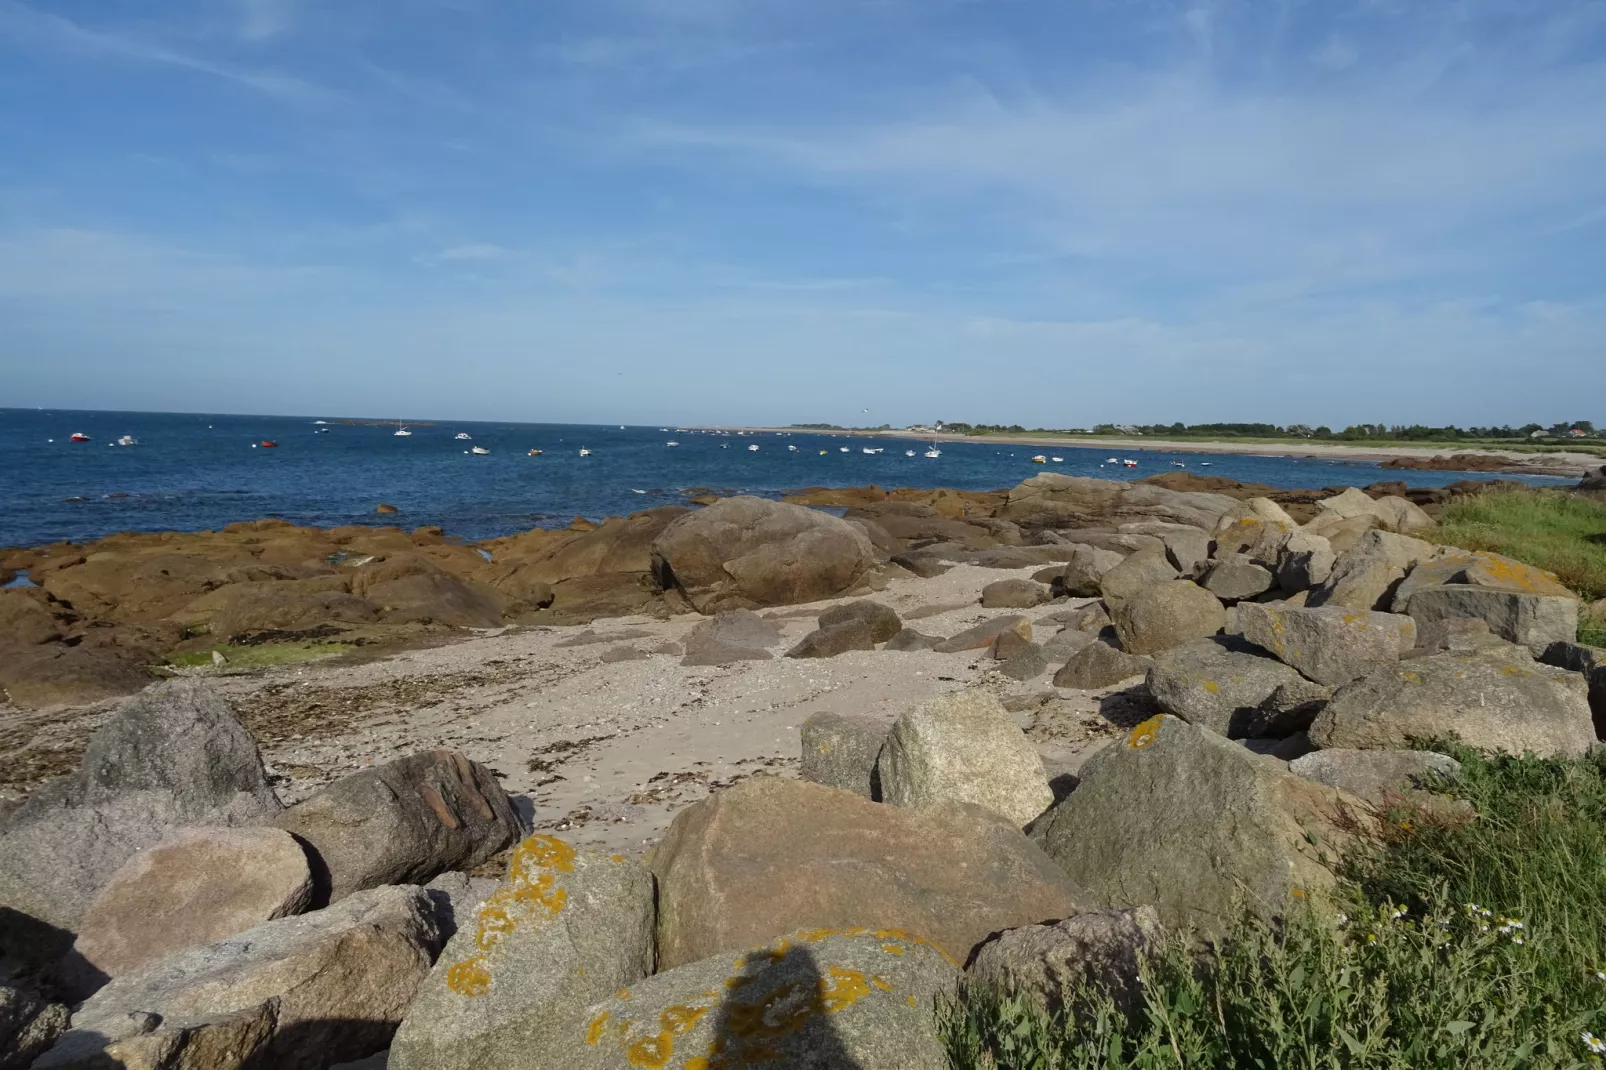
column 607, row 751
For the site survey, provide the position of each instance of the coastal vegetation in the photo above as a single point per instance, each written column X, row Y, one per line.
column 1466, row 940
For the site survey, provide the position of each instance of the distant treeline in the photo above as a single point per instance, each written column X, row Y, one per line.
column 1352, row 433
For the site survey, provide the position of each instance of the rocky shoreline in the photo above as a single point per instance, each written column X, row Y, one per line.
column 798, row 777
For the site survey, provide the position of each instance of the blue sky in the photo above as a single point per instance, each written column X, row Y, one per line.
column 1050, row 213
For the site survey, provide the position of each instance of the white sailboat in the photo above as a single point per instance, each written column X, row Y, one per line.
column 933, row 452
column 401, row 431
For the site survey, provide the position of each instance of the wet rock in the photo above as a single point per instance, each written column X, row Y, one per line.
column 403, row 822
column 840, row 751
column 963, row 747
column 173, row 756
column 864, row 998
column 1166, row 615
column 744, row 553
column 566, row 929
column 985, row 634
column 298, row 993
column 198, row 886
column 1099, row 665
column 1048, row 964
column 1014, row 594
column 1180, row 818
column 1491, row 702
column 1330, row 645
column 770, row 856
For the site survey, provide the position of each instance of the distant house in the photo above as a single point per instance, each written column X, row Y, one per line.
column 1539, row 434
column 1578, row 433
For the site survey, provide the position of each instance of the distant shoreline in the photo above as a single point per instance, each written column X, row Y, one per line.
column 1565, row 465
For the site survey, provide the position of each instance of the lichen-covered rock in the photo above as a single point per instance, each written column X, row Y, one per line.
column 1099, row 664
column 403, row 822
column 856, row 998
column 1179, row 818
column 964, row 747
column 770, row 856
column 1137, row 573
column 1049, row 963
column 1531, row 620
column 1014, row 594
column 1477, row 569
column 840, row 751
column 1381, row 777
column 1213, row 685
column 566, row 928
column 173, row 756
column 744, row 553
column 985, row 634
column 1257, row 538
column 1331, row 645
column 298, row 994
column 1490, row 701
column 1166, row 615
column 195, row 887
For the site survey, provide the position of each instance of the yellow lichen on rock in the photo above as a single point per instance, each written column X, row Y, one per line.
column 531, row 894
column 1144, row 734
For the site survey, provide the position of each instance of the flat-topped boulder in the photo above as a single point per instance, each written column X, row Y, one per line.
column 1051, row 500
column 1330, row 645
column 963, row 747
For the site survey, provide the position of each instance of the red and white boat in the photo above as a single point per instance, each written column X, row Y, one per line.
column 79, row 436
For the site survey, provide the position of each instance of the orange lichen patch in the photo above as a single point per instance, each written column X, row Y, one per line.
column 471, row 977
column 616, row 858
column 892, row 949
column 1212, row 687
column 1144, row 734
column 881, row 983
column 595, row 1030
column 531, row 895
column 1492, row 570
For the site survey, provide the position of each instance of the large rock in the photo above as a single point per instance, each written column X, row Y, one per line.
column 1166, row 615
column 566, row 929
column 1138, row 572
column 1051, row 500
column 403, row 822
column 1487, row 700
column 1531, row 620
column 1187, row 546
column 1367, row 575
column 851, row 634
column 732, row 636
column 1331, row 645
column 1591, row 662
column 1394, row 514
column 1477, row 569
column 47, row 675
column 854, row 999
column 1098, row 665
column 29, row 1023
column 771, row 856
column 28, row 618
column 173, row 756
column 881, row 621
column 196, row 887
column 1082, row 576
column 964, row 747
column 1235, row 577
column 1213, row 685
column 840, row 751
column 1050, row 964
column 1181, row 819
column 985, row 634
column 1306, row 560
column 1342, row 533
column 909, row 639
column 743, row 553
column 1381, row 777
column 412, row 587
column 298, row 994
column 1254, row 537
column 1014, row 594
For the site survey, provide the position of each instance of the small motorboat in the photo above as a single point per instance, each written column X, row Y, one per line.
column 671, row 443
column 1204, row 464
column 320, row 421
column 1039, row 459
column 1112, row 460
column 872, row 452
column 844, row 449
column 584, row 452
column 79, row 436
column 268, row 444
column 480, row 450
column 1178, row 464
column 128, row 440
column 791, row 449
column 1130, row 463
column 824, row 452
column 753, row 448
column 535, row 453
column 462, row 436
column 1057, row 460
column 321, row 431
column 908, row 453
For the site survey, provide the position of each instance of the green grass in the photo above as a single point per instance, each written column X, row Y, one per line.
column 261, row 655
column 1563, row 533
column 1415, row 963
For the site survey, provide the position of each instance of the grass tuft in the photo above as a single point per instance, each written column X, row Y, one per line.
column 1478, row 942
column 1563, row 533
column 261, row 655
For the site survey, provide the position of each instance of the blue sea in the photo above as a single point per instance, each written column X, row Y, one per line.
column 191, row 472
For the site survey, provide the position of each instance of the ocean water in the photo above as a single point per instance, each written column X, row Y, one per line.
column 191, row 472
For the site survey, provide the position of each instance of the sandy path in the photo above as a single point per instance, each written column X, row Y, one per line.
column 608, row 750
